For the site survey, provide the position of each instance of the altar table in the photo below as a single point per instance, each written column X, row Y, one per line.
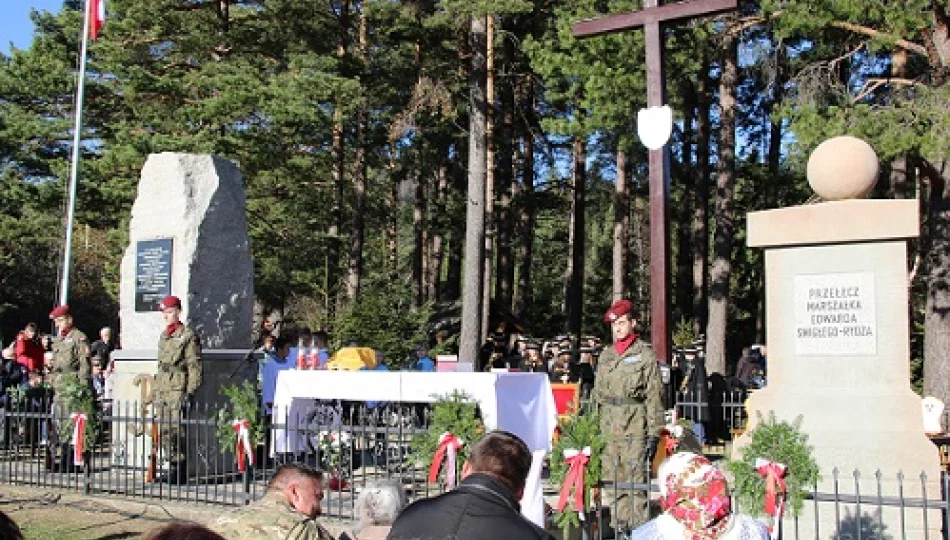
column 521, row 403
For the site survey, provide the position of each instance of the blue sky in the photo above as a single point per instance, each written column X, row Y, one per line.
column 15, row 24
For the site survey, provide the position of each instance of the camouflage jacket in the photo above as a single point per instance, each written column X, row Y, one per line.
column 271, row 518
column 71, row 355
column 629, row 385
column 179, row 363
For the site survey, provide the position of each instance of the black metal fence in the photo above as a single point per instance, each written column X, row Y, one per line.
column 358, row 444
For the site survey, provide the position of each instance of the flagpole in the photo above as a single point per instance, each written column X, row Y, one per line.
column 74, row 167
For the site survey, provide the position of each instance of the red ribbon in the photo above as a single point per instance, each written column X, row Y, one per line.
column 244, row 449
column 775, row 487
column 448, row 445
column 79, row 443
column 578, row 460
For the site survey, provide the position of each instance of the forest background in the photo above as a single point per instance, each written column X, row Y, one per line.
column 351, row 121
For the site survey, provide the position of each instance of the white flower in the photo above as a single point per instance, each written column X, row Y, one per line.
column 677, row 431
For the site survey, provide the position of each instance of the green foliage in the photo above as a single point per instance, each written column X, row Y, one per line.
column 384, row 320
column 781, row 442
column 456, row 413
column 684, row 335
column 577, row 432
column 77, row 397
column 244, row 404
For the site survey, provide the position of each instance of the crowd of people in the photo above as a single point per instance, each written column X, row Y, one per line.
column 622, row 378
column 694, row 499
column 35, row 364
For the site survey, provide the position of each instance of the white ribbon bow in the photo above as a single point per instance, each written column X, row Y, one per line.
column 243, row 443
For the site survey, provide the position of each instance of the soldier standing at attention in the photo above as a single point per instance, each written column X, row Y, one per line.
column 628, row 391
column 177, row 380
column 70, row 352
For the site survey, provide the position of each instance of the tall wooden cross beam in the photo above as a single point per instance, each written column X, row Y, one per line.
column 651, row 17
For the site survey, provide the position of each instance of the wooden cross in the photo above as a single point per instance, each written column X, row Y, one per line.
column 651, row 17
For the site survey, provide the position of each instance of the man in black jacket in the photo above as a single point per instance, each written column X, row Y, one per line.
column 484, row 506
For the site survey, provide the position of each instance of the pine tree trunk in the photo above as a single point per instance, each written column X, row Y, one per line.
column 684, row 251
column 899, row 186
column 701, row 201
column 937, row 241
column 505, row 275
column 489, row 173
column 641, row 247
column 338, row 146
column 456, row 239
column 419, row 202
column 437, row 251
column 470, row 338
column 937, row 314
column 576, row 243
column 771, row 197
column 419, row 231
column 528, row 213
column 392, row 230
column 621, row 226
column 724, row 216
column 354, row 265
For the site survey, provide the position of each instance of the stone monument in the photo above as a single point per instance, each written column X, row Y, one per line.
column 838, row 341
column 187, row 237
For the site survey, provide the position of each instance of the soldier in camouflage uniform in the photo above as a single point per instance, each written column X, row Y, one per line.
column 628, row 392
column 287, row 511
column 70, row 352
column 177, row 380
column 70, row 362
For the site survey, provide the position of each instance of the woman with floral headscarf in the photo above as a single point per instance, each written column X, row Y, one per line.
column 696, row 505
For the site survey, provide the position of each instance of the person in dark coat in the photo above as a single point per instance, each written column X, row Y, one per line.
column 585, row 371
column 564, row 369
column 485, row 504
column 532, row 362
column 695, row 387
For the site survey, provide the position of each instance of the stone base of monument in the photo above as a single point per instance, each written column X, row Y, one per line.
column 132, row 436
column 838, row 357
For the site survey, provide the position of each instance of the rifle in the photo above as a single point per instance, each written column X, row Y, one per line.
column 153, row 456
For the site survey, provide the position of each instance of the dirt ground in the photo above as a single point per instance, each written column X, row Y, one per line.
column 45, row 514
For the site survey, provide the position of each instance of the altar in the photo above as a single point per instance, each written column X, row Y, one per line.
column 521, row 403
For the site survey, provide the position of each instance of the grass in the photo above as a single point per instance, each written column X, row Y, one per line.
column 55, row 531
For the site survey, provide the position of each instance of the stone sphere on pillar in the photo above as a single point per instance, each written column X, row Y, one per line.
column 841, row 168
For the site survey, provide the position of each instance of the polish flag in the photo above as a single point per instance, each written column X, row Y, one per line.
column 97, row 16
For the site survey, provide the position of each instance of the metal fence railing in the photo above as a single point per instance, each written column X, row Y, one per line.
column 896, row 507
column 358, row 444
column 355, row 445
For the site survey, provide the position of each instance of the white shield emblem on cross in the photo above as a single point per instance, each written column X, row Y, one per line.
column 654, row 126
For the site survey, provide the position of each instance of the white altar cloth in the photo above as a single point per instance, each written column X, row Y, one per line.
column 521, row 403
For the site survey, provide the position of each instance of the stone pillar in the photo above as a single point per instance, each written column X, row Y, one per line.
column 187, row 237
column 838, row 356
column 192, row 206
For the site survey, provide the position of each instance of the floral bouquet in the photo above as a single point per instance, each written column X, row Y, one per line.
column 335, row 452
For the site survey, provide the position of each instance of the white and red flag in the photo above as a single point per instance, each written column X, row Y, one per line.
column 97, row 16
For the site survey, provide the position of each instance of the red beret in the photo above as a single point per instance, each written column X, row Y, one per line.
column 170, row 302
column 619, row 308
column 59, row 311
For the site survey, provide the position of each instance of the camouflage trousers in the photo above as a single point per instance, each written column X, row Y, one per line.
column 624, row 462
column 171, row 428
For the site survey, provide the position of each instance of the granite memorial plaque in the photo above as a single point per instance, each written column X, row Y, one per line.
column 153, row 272
column 835, row 314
